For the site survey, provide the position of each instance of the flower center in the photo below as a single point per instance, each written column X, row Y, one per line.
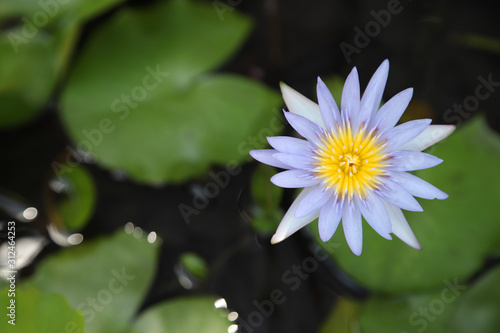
column 351, row 164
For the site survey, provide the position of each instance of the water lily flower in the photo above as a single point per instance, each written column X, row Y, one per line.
column 354, row 162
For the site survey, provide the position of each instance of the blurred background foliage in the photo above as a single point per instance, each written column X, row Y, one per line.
column 125, row 128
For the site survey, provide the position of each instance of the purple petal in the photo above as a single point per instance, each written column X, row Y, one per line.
column 266, row 156
column 400, row 227
column 373, row 93
column 294, row 179
column 353, row 231
column 389, row 114
column 296, row 161
column 403, row 133
column 304, row 127
column 289, row 224
column 375, row 213
column 418, row 187
column 350, row 97
column 287, row 144
column 431, row 135
column 329, row 218
column 301, row 105
column 313, row 201
column 327, row 106
column 409, row 160
column 398, row 196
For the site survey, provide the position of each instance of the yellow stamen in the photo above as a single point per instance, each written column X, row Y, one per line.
column 350, row 163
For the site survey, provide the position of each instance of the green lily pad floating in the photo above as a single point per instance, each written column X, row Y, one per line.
column 430, row 312
column 453, row 308
column 456, row 234
column 34, row 312
column 48, row 14
column 74, row 206
column 146, row 105
column 343, row 318
column 35, row 52
column 106, row 279
column 194, row 265
column 479, row 308
column 27, row 77
column 183, row 315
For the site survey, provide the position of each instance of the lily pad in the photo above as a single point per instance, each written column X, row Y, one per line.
column 44, row 14
column 430, row 312
column 76, row 202
column 194, row 265
column 343, row 318
column 34, row 52
column 183, row 315
column 452, row 308
column 27, row 76
column 456, row 234
column 34, row 312
column 479, row 308
column 105, row 279
column 146, row 105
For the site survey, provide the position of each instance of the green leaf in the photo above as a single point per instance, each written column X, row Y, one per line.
column 142, row 105
column 479, row 308
column 456, row 234
column 454, row 308
column 35, row 52
column 343, row 318
column 430, row 312
column 35, row 312
column 43, row 14
column 27, row 75
column 194, row 265
column 183, row 315
column 76, row 205
column 106, row 279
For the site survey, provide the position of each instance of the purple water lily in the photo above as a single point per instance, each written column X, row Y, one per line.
column 354, row 161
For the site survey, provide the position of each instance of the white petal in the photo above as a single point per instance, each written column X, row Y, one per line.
column 353, row 231
column 401, row 134
column 373, row 93
column 313, row 201
column 294, row 179
column 389, row 114
column 295, row 161
column 431, row 135
column 304, row 127
column 329, row 219
column 400, row 227
column 418, row 187
column 327, row 106
column 350, row 98
column 410, row 160
column 374, row 212
column 266, row 156
column 289, row 224
column 288, row 144
column 398, row 196
column 301, row 105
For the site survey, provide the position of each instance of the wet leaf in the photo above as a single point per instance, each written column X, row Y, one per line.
column 106, row 279
column 38, row 313
column 183, row 315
